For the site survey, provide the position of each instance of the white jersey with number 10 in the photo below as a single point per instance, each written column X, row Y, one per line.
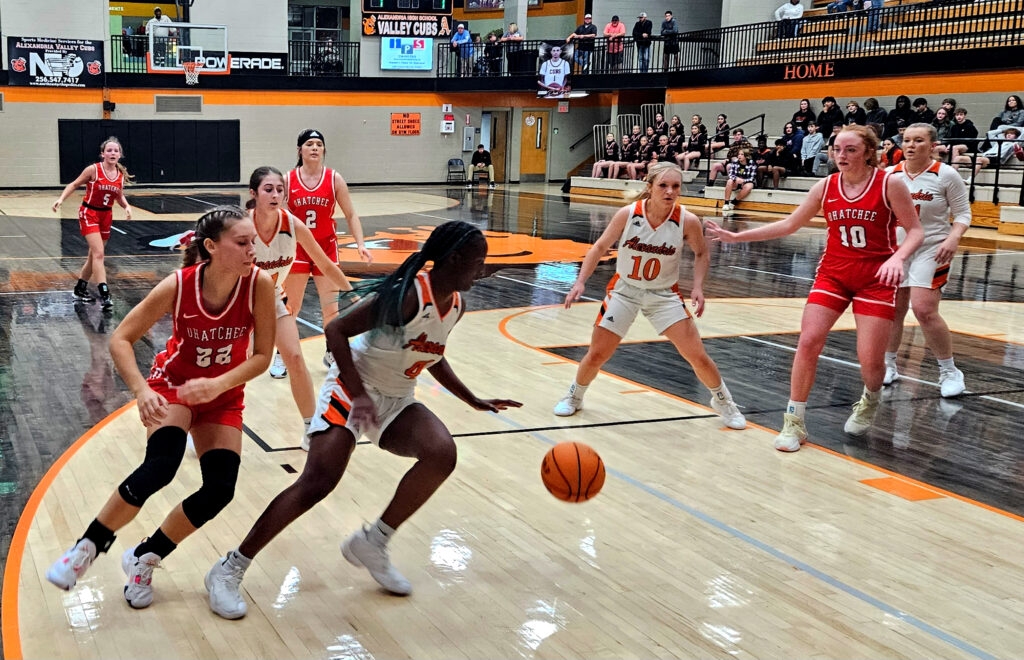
column 649, row 258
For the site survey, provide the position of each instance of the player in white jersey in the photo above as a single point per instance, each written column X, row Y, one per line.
column 938, row 191
column 650, row 233
column 401, row 328
column 278, row 234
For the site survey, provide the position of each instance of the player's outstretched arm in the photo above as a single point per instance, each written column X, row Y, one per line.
column 612, row 233
column 801, row 217
column 442, row 372
column 85, row 177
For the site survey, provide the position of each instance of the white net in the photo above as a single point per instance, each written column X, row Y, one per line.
column 191, row 72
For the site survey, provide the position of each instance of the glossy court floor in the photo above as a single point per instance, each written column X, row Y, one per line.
column 704, row 542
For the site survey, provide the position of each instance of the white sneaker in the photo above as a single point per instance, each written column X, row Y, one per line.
column 728, row 206
column 491, row 186
column 224, row 582
column 328, row 359
column 277, row 368
column 138, row 591
column 792, row 435
column 72, row 565
column 360, row 551
column 951, row 382
column 730, row 414
column 568, row 406
column 891, row 374
column 863, row 415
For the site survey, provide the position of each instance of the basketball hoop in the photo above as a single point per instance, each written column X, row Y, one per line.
column 191, row 72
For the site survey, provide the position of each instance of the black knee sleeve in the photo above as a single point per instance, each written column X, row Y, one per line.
column 164, row 451
column 220, row 472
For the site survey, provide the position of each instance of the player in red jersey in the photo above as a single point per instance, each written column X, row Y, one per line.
column 221, row 305
column 104, row 184
column 313, row 190
column 861, row 264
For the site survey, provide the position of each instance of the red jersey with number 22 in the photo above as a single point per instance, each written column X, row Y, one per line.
column 205, row 345
column 860, row 227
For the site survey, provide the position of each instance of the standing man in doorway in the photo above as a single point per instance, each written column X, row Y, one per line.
column 162, row 36
column 642, row 37
column 481, row 161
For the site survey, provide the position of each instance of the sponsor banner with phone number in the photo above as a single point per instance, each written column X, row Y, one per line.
column 52, row 62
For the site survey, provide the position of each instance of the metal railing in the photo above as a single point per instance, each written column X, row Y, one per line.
column 995, row 163
column 323, row 58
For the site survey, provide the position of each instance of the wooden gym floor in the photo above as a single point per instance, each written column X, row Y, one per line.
column 704, row 542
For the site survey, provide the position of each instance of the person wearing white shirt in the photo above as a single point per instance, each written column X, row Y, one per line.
column 162, row 35
column 788, row 16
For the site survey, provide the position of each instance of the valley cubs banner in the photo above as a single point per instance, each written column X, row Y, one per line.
column 51, row 62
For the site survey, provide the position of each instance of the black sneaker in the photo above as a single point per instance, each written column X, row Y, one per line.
column 106, row 303
column 83, row 295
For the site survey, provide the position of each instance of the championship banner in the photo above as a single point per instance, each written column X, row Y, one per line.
column 407, row 25
column 51, row 62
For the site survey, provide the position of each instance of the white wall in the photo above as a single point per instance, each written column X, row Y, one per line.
column 739, row 12
column 69, row 19
column 690, row 15
column 253, row 25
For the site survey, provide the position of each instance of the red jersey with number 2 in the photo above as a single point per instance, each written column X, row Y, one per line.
column 862, row 226
column 101, row 192
column 314, row 206
column 203, row 344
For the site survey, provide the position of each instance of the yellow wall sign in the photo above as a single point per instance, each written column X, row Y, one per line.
column 405, row 123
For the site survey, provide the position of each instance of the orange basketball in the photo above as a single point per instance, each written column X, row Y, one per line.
column 572, row 471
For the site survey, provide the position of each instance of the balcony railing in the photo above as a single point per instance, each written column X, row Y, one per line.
column 323, row 58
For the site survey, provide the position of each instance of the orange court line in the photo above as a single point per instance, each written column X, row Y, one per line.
column 504, row 331
column 548, row 364
column 634, row 391
column 900, row 488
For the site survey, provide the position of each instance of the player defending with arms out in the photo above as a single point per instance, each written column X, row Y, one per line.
column 399, row 329
column 861, row 264
column 650, row 233
column 313, row 191
column 937, row 190
column 222, row 307
column 104, row 184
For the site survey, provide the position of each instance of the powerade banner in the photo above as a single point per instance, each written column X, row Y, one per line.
column 398, row 54
column 51, row 62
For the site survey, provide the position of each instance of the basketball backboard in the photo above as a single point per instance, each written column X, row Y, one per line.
column 172, row 44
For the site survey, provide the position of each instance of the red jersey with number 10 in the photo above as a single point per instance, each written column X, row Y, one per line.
column 205, row 345
column 101, row 192
column 314, row 206
column 862, row 226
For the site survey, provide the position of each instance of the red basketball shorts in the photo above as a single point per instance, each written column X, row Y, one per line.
column 91, row 221
column 842, row 281
column 226, row 409
column 303, row 263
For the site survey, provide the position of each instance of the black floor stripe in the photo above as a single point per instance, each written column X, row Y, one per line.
column 575, row 427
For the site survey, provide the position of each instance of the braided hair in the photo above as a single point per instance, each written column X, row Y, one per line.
column 210, row 226
column 389, row 292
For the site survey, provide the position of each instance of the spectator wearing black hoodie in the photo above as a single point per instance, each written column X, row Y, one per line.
column 922, row 113
column 855, row 114
column 804, row 115
column 962, row 130
column 875, row 113
column 901, row 111
column 829, row 116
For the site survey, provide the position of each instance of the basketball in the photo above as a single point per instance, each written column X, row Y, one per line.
column 572, row 471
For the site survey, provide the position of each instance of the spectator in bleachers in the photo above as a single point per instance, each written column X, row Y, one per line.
column 923, row 113
column 825, row 157
column 793, row 138
column 891, row 154
column 1012, row 114
column 615, row 31
column 855, row 114
column 1003, row 152
column 742, row 174
column 840, row 5
column 901, row 111
column 609, row 157
column 830, row 115
column 676, row 139
column 874, row 113
column 642, row 38
column 462, row 44
column 628, row 153
column 963, row 129
column 492, row 55
column 677, row 122
column 739, row 141
column 644, row 155
column 804, row 115
column 810, row 148
column 694, row 149
column 670, row 49
column 697, row 121
column 651, row 136
column 950, row 105
column 512, row 41
column 776, row 164
column 721, row 137
column 762, row 156
column 635, row 136
column 584, row 36
column 660, row 125
column 664, row 152
column 788, row 16
column 898, row 137
column 943, row 123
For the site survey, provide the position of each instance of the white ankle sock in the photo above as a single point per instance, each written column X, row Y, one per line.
column 379, row 533
column 577, row 391
column 872, row 396
column 237, row 558
column 890, row 358
column 798, row 408
column 721, row 393
column 947, row 364
column 306, row 421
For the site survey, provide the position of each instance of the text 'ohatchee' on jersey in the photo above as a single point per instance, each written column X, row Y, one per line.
column 203, row 344
column 101, row 192
column 863, row 226
column 276, row 254
column 936, row 192
column 649, row 257
column 313, row 206
column 390, row 360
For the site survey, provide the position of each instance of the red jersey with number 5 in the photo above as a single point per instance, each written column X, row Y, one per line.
column 101, row 192
column 203, row 344
column 862, row 226
column 314, row 206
